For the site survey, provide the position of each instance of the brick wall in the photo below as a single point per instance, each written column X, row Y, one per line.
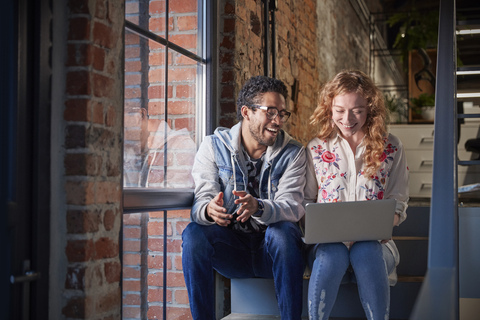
column 93, row 157
column 315, row 40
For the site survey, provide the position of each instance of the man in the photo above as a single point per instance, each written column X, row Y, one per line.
column 249, row 184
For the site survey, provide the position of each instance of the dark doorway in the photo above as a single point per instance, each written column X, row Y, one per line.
column 25, row 160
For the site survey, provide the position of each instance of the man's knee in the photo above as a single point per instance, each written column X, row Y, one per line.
column 192, row 236
column 284, row 238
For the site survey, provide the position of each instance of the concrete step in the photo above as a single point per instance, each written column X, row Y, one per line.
column 256, row 296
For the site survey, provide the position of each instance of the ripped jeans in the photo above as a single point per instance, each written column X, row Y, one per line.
column 371, row 263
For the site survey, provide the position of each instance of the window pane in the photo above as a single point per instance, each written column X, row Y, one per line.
column 160, row 111
column 183, row 20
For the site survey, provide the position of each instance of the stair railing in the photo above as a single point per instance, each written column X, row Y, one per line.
column 439, row 296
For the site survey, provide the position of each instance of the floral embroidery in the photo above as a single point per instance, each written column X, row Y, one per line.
column 331, row 161
column 334, row 193
column 327, row 156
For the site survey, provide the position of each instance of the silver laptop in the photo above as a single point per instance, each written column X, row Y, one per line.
column 349, row 221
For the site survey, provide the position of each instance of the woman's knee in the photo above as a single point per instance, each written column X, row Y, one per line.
column 335, row 255
column 366, row 251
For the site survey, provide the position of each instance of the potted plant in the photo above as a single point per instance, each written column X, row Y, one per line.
column 396, row 107
column 424, row 106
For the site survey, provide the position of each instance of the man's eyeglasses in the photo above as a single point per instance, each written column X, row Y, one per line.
column 273, row 112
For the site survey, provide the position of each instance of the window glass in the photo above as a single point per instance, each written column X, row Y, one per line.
column 164, row 94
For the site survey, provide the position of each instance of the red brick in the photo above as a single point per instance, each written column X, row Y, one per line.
column 155, row 312
column 179, row 313
column 156, row 295
column 79, row 29
column 79, row 221
column 181, row 60
column 185, row 91
column 110, row 117
column 155, row 279
column 131, row 272
column 132, row 52
column 112, row 271
column 228, row 25
column 228, row 76
column 185, row 123
column 155, row 261
column 155, row 244
column 78, row 83
column 158, row 92
column 131, row 93
column 228, row 42
column 132, row 300
column 108, row 192
column 132, row 259
column 79, row 250
column 175, row 279
column 109, row 219
column 106, row 248
column 158, row 58
column 132, row 232
column 131, row 285
column 97, row 112
column 187, row 41
column 157, row 75
column 104, row 35
column 103, row 86
column 156, row 228
column 181, row 107
column 157, row 25
column 178, row 262
column 131, row 38
column 132, row 312
column 226, row 58
column 187, row 23
column 227, row 91
column 133, row 66
column 157, row 6
column 182, row 6
column 228, row 107
column 77, row 110
column 81, row 164
column 80, row 192
column 131, row 245
column 179, row 214
column 181, row 225
column 181, row 296
column 156, row 176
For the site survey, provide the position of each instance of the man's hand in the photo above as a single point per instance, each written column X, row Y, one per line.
column 216, row 211
column 248, row 205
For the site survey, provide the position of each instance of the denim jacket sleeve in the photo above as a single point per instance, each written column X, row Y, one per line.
column 286, row 204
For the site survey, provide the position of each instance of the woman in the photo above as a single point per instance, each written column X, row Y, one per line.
column 354, row 158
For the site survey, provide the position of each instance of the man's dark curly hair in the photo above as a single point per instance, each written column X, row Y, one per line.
column 254, row 89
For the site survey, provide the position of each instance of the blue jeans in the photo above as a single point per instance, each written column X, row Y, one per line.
column 276, row 254
column 330, row 267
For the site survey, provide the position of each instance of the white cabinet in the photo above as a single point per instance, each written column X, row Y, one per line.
column 417, row 140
